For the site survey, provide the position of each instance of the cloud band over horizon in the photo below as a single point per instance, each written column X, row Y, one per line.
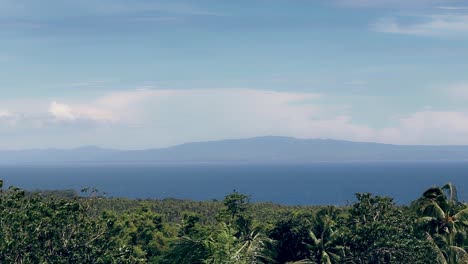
column 150, row 118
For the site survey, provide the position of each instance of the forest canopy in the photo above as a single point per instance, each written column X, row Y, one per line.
column 64, row 227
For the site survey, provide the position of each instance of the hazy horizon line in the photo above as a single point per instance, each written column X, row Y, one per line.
column 222, row 140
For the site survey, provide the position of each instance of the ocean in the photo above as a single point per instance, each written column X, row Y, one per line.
column 313, row 184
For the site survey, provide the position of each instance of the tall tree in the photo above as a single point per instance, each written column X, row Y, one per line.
column 445, row 219
column 377, row 231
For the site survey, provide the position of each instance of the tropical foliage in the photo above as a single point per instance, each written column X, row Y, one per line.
column 64, row 227
column 445, row 220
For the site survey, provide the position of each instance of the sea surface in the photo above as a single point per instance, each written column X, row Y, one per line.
column 315, row 184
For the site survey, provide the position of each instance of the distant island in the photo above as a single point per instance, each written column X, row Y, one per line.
column 258, row 150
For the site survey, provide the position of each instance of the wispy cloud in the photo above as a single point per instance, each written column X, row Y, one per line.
column 417, row 17
column 420, row 4
column 92, row 16
column 96, row 84
column 87, row 8
column 458, row 91
column 433, row 25
column 138, row 6
column 453, row 7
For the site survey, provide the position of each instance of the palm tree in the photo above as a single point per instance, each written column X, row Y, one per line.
column 255, row 248
column 445, row 220
column 222, row 246
column 323, row 247
column 225, row 247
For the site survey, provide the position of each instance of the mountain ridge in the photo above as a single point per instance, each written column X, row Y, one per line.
column 266, row 149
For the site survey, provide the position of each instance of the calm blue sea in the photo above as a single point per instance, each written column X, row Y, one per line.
column 317, row 184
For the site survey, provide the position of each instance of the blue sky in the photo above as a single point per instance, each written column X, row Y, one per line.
column 150, row 73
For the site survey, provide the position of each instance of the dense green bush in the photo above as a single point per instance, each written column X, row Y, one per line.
column 38, row 230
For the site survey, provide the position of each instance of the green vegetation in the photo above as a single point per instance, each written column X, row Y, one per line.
column 62, row 227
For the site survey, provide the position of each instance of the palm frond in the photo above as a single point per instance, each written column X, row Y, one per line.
column 451, row 191
column 304, row 261
column 432, row 208
column 440, row 255
column 314, row 238
column 463, row 214
column 325, row 258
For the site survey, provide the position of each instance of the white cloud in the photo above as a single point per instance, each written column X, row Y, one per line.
column 61, row 111
column 80, row 112
column 435, row 25
column 432, row 127
column 146, row 118
column 4, row 113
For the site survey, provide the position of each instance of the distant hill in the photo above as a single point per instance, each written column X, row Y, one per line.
column 253, row 150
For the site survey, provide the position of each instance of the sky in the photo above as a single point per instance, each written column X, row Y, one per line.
column 139, row 74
